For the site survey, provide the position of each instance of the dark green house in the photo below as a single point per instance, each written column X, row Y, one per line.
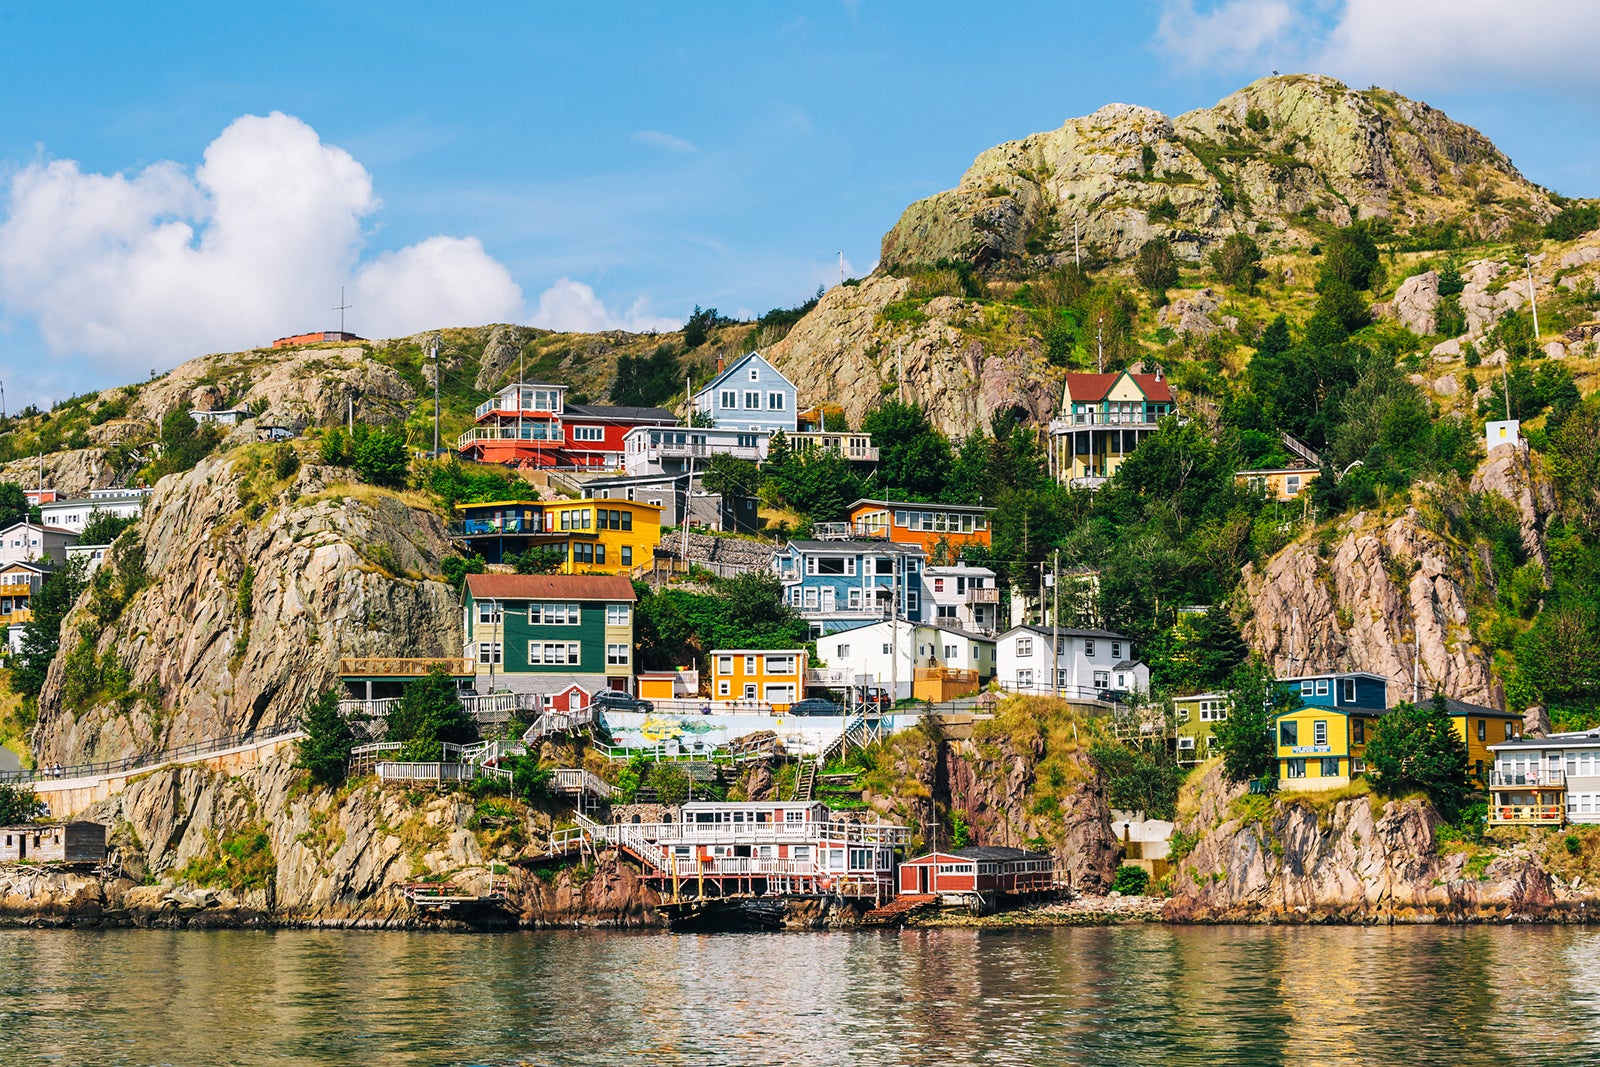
column 550, row 633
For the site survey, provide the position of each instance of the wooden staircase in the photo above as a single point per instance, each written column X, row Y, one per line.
column 805, row 782
column 898, row 908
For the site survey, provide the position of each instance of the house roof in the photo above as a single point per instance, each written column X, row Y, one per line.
column 980, row 854
column 1204, row 696
column 1462, row 707
column 857, row 546
column 613, row 413
column 734, row 367
column 1582, row 739
column 612, row 587
column 958, row 631
column 1335, row 674
column 26, row 565
column 1092, row 387
column 38, row 526
column 737, row 652
column 1046, row 631
column 919, row 504
column 510, row 387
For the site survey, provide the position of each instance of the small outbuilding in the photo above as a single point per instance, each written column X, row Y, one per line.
column 56, row 842
column 980, row 872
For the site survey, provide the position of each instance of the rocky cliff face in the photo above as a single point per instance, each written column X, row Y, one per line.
column 246, row 589
column 1261, row 161
column 1353, row 860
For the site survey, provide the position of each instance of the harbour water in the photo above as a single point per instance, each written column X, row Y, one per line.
column 1093, row 996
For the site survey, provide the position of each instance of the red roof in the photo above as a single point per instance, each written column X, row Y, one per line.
column 550, row 587
column 1092, row 387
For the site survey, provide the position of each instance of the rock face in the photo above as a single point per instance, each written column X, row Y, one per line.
column 71, row 473
column 1251, row 164
column 1193, row 315
column 254, row 586
column 1357, row 608
column 1513, row 474
column 1416, row 303
column 1362, row 861
column 844, row 352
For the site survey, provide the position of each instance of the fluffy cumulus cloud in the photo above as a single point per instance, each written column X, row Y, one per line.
column 1416, row 46
column 570, row 305
column 146, row 270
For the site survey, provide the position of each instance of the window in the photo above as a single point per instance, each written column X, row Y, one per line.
column 617, row 614
column 1024, row 679
column 774, row 401
column 489, row 653
column 749, row 666
column 616, row 655
column 854, row 599
column 1088, row 649
column 730, row 399
column 583, row 552
column 724, row 664
column 1358, row 765
column 1102, row 679
column 950, row 652
column 1330, row 767
column 588, row 433
column 1322, row 687
column 559, row 652
column 811, row 599
column 752, row 401
column 1291, row 485
column 1294, row 768
column 1349, row 687
column 1483, row 729
column 723, row 688
column 1183, row 713
column 1116, row 650
column 844, row 650
column 1319, row 732
column 1307, row 688
column 1289, row 734
column 1358, row 731
column 750, row 691
column 886, row 648
column 488, row 612
column 755, row 374
column 780, row 664
column 1024, row 646
column 554, row 614
column 913, row 602
column 944, row 611
column 938, row 585
column 1509, row 735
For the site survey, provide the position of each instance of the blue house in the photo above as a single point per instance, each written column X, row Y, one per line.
column 1341, row 690
column 839, row 585
column 750, row 395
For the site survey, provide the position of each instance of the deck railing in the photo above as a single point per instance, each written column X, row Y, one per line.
column 871, row 833
column 155, row 757
column 402, row 666
column 1526, row 814
column 1531, row 778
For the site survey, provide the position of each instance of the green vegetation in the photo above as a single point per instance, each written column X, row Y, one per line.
column 102, row 528
column 379, row 456
column 242, row 861
column 1140, row 778
column 1575, row 220
column 1130, row 881
column 675, row 627
column 1247, row 735
column 325, row 750
column 184, row 443
column 1416, row 749
column 428, row 715
column 648, row 380
column 41, row 635
column 1156, row 268
column 19, row 804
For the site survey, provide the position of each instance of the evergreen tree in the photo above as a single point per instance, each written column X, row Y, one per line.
column 41, row 635
column 1416, row 747
column 13, row 504
column 428, row 714
column 913, row 456
column 325, row 750
column 19, row 804
column 380, row 457
column 1155, row 267
column 1246, row 736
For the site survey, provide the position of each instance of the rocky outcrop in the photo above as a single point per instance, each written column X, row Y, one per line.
column 1358, row 859
column 1416, row 303
column 1193, row 315
column 1357, row 603
column 70, row 473
column 247, row 589
column 1517, row 475
column 1252, row 164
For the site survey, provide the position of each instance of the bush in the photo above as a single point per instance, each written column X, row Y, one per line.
column 1130, row 881
column 1237, row 262
column 325, row 750
column 1416, row 748
column 427, row 715
column 19, row 804
column 1574, row 221
column 1155, row 267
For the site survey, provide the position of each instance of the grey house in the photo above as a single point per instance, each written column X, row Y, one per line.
column 56, row 842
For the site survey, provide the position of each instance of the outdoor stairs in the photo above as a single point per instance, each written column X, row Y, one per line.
column 1301, row 449
column 898, row 908
column 805, row 781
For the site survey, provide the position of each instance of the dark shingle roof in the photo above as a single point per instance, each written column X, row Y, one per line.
column 997, row 853
column 621, row 414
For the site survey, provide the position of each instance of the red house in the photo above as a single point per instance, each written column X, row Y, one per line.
column 573, row 698
column 978, row 873
column 530, row 424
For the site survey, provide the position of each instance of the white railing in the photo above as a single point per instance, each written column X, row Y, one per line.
column 850, row 446
column 576, row 781
column 512, row 433
column 1100, row 420
column 770, row 833
column 367, row 708
column 1531, row 776
column 425, row 772
column 559, row 722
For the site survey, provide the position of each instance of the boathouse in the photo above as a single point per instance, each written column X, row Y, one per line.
column 982, row 871
column 57, row 842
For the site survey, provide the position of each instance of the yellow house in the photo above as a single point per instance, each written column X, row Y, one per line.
column 1283, row 485
column 680, row 684
column 590, row 536
column 1481, row 727
column 1102, row 419
column 19, row 584
column 770, row 676
column 1323, row 748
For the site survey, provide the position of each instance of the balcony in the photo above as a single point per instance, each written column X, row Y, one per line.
column 507, row 406
column 1099, row 420
column 849, row 531
column 699, row 450
column 402, row 667
column 535, row 433
column 978, row 597
column 851, row 446
column 1526, row 815
column 1531, row 778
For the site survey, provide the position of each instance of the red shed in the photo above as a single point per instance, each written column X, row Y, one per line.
column 978, row 870
column 573, row 698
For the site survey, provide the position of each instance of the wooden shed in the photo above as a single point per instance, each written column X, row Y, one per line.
column 56, row 842
column 978, row 870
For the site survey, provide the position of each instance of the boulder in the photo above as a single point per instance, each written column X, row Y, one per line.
column 1446, row 385
column 1193, row 316
column 1416, row 302
column 1555, row 350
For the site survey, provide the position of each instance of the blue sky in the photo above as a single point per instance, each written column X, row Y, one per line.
column 588, row 166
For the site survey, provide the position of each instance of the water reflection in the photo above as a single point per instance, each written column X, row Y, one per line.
column 1130, row 995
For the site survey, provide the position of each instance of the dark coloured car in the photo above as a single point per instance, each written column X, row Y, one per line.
column 1113, row 696
column 815, row 706
column 617, row 700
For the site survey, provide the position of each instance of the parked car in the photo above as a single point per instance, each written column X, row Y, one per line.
column 617, row 700
column 1113, row 696
column 815, row 706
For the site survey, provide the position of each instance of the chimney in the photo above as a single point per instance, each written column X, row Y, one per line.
column 719, row 364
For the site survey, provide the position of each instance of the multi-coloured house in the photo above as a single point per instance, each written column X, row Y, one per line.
column 749, row 394
column 20, row 582
column 1322, row 744
column 544, row 633
column 837, row 585
column 586, row 536
column 530, row 424
column 1104, row 417
column 1545, row 781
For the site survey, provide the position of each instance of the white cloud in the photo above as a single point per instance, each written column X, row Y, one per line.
column 665, row 141
column 1234, row 34
column 131, row 272
column 1414, row 46
column 573, row 306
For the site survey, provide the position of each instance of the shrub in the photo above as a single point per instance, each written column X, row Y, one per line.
column 19, row 804
column 1164, row 210
column 325, row 750
column 1155, row 267
column 1257, row 120
column 1237, row 262
column 1130, row 881
column 1574, row 221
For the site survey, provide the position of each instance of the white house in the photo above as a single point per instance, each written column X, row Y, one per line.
column 648, row 450
column 28, row 541
column 868, row 654
column 1086, row 662
column 222, row 417
column 963, row 595
column 92, row 556
column 74, row 514
column 750, row 394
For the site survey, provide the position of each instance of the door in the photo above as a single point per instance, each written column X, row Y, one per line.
column 922, row 879
column 827, row 599
column 22, row 846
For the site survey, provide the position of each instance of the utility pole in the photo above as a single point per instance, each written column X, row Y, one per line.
column 1505, row 387
column 900, row 373
column 350, row 405
column 436, row 398
column 688, row 484
column 341, row 309
column 1100, row 345
column 894, row 633
column 1055, row 624
column 841, row 267
column 1077, row 257
column 1532, row 297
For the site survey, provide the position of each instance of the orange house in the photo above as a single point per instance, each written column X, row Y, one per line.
column 904, row 523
